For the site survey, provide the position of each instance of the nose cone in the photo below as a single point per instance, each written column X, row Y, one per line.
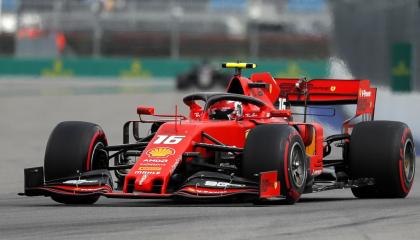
column 158, row 161
column 152, row 171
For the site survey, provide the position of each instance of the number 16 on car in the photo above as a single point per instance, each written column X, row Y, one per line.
column 169, row 140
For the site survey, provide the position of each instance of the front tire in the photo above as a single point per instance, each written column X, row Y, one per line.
column 384, row 151
column 74, row 148
column 277, row 147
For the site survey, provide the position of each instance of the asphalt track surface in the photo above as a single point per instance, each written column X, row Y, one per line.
column 28, row 116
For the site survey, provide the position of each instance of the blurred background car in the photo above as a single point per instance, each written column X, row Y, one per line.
column 203, row 76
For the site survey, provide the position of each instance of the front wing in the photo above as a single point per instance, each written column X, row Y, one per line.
column 202, row 185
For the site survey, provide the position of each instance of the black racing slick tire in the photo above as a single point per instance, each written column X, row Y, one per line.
column 277, row 147
column 73, row 148
column 183, row 82
column 384, row 151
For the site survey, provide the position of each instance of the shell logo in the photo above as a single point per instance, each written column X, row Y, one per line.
column 332, row 88
column 160, row 152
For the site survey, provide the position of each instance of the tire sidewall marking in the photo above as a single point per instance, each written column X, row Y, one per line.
column 405, row 183
column 286, row 166
column 290, row 188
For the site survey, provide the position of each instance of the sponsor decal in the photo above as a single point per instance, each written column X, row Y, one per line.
column 81, row 181
column 320, row 88
column 316, row 172
column 142, row 179
column 146, row 172
column 88, row 189
column 170, row 140
column 160, row 152
column 150, row 168
column 363, row 104
column 175, row 165
column 249, row 115
column 222, row 184
column 364, row 93
column 332, row 88
column 155, row 160
column 207, row 191
column 152, row 164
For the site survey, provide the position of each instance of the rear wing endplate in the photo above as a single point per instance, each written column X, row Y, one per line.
column 298, row 92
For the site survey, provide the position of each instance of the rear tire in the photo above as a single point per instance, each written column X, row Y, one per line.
column 74, row 148
column 383, row 150
column 277, row 147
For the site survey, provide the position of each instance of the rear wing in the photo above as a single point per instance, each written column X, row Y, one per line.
column 298, row 92
column 325, row 91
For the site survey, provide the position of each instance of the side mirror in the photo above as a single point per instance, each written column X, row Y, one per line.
column 281, row 113
column 142, row 110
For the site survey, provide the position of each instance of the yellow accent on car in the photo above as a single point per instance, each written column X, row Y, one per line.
column 150, row 168
column 310, row 150
column 160, row 152
column 239, row 65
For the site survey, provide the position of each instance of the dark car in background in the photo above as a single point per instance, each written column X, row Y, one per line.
column 203, row 76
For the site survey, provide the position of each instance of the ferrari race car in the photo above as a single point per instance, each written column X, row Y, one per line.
column 240, row 144
column 203, row 76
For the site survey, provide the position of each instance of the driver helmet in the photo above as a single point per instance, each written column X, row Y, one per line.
column 226, row 110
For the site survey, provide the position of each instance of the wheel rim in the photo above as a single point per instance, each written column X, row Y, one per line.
column 98, row 154
column 409, row 161
column 297, row 164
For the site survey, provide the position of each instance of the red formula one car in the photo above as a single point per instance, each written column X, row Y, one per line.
column 242, row 143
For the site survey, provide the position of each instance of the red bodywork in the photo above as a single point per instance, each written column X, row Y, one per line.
column 160, row 158
column 151, row 174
